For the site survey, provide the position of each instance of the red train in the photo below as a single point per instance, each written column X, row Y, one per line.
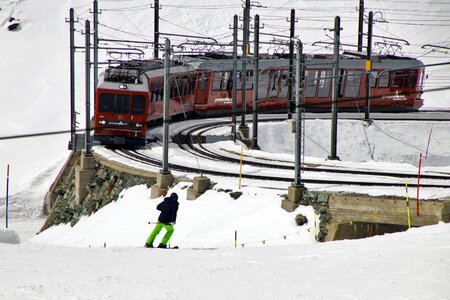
column 130, row 95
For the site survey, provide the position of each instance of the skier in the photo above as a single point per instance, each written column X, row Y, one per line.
column 167, row 218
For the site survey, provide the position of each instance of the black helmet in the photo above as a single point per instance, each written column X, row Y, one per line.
column 174, row 196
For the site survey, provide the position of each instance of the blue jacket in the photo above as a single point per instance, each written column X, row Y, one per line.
column 168, row 208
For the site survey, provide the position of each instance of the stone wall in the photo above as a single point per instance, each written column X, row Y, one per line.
column 103, row 189
column 319, row 201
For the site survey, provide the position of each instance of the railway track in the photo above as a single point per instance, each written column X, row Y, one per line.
column 191, row 146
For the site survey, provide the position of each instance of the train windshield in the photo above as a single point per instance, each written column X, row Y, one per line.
column 138, row 105
column 114, row 103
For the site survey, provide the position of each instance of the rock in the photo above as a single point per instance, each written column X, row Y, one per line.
column 13, row 26
column 301, row 220
column 235, row 195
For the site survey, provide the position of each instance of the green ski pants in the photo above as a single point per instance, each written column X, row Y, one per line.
column 157, row 229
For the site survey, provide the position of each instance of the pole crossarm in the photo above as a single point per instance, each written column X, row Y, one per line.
column 188, row 36
column 388, row 38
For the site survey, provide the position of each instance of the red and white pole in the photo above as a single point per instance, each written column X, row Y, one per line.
column 418, row 186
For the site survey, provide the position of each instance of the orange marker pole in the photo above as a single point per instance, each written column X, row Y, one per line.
column 240, row 168
column 418, row 186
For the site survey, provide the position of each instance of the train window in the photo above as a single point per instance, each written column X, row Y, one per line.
column 185, row 84
column 373, row 79
column 310, row 83
column 217, row 81
column 192, row 83
column 239, row 80
column 404, row 79
column 114, row 103
column 274, row 83
column 202, row 83
column 342, row 76
column 161, row 91
column 325, row 83
column 284, row 83
column 249, row 85
column 422, row 78
column 263, row 85
column 352, row 84
column 227, row 81
column 383, row 80
column 138, row 105
column 156, row 90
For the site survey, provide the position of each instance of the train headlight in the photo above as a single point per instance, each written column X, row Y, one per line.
column 123, row 87
column 138, row 125
column 102, row 122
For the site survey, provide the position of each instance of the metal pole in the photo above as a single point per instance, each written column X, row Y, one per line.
column 256, row 84
column 87, row 146
column 166, row 119
column 156, row 30
column 73, row 120
column 7, row 194
column 360, row 25
column 334, row 112
column 298, row 113
column 244, row 65
column 368, row 68
column 235, row 38
column 95, row 45
column 291, row 63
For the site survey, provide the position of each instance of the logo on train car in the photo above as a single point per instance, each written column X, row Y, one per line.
column 396, row 97
column 119, row 123
column 223, row 100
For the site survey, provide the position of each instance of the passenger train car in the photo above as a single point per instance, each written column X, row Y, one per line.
column 130, row 95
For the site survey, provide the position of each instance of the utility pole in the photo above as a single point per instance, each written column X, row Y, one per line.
column 360, row 25
column 245, row 48
column 166, row 119
column 95, row 45
column 368, row 68
column 73, row 120
column 235, row 41
column 87, row 146
column 255, row 84
column 291, row 63
column 336, row 73
column 156, row 30
column 298, row 113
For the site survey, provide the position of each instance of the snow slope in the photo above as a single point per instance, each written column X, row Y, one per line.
column 34, row 99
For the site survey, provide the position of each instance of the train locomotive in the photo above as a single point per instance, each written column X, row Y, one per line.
column 129, row 96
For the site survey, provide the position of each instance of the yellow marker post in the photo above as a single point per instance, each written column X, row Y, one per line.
column 240, row 167
column 407, row 204
column 315, row 236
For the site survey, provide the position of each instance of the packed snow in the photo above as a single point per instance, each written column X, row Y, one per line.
column 102, row 256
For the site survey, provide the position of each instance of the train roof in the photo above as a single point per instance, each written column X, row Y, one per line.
column 186, row 64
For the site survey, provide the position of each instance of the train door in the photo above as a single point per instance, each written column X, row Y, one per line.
column 201, row 95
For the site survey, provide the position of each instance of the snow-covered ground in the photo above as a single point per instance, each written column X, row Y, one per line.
column 408, row 265
column 73, row 263
column 102, row 256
